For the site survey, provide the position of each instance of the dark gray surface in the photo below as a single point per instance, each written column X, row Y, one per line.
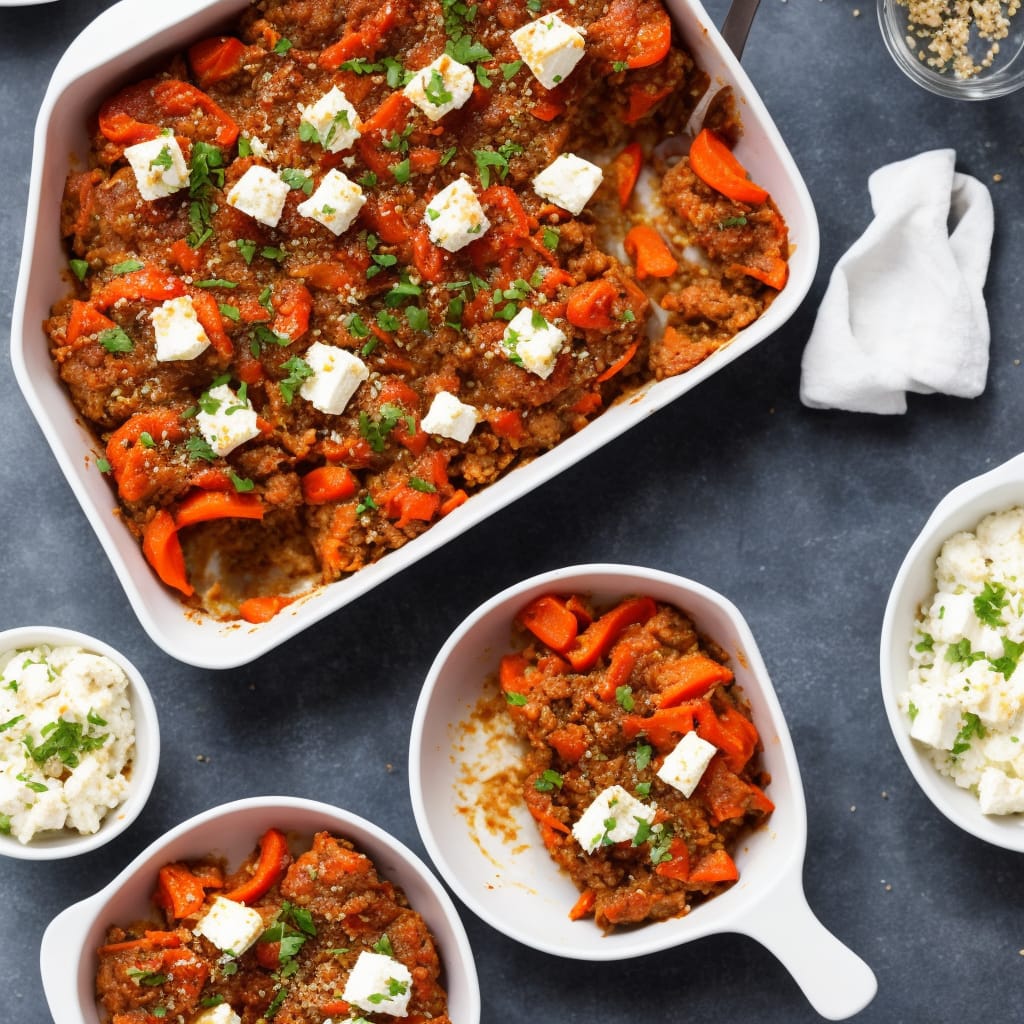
column 800, row 517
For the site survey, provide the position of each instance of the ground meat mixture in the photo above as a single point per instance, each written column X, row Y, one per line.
column 642, row 761
column 259, row 371
column 314, row 918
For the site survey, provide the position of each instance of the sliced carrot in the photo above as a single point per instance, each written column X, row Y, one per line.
column 151, row 283
column 570, row 742
column 181, row 892
column 692, row 676
column 548, row 819
column 208, row 314
column 270, row 866
column 654, row 38
column 390, row 115
column 162, row 549
column 775, row 275
column 641, row 100
column 294, row 306
column 85, row 321
column 664, row 727
column 150, row 940
column 620, row 364
column 179, row 99
column 450, row 504
column 262, row 609
column 202, row 506
column 550, row 621
column 513, row 676
column 678, row 864
column 621, row 663
column 649, row 252
column 599, row 636
column 716, row 165
column 716, row 866
column 216, row 59
column 584, row 905
column 626, row 170
column 328, row 483
column 590, row 305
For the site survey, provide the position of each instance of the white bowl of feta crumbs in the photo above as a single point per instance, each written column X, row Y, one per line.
column 486, row 846
column 951, row 652
column 79, row 743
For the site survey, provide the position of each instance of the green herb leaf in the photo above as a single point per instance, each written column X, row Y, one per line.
column 126, row 267
column 989, row 604
column 297, row 180
column 549, row 779
column 298, row 371
column 436, row 91
column 383, row 946
column 114, row 339
column 624, row 697
column 517, row 700
column 79, row 268
column 971, row 726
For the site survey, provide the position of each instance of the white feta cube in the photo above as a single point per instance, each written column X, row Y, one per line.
column 336, row 202
column 334, row 120
column 952, row 616
column 336, row 375
column 550, row 48
column 232, row 927
column 260, row 193
column 228, row 421
column 613, row 817
column 684, row 767
column 532, row 342
column 379, row 984
column 159, row 165
column 449, row 417
column 1000, row 794
column 455, row 217
column 219, row 1014
column 568, row 181
column 442, row 86
column 936, row 721
column 179, row 334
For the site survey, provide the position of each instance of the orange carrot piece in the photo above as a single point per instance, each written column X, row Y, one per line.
column 601, row 634
column 262, row 609
column 584, row 905
column 151, row 283
column 545, row 818
column 458, row 497
column 209, row 316
column 775, row 275
column 626, row 170
column 678, row 864
column 273, row 860
column 550, row 621
column 590, row 305
column 716, row 866
column 654, row 39
column 84, row 322
column 642, row 100
column 620, row 364
column 181, row 892
column 512, row 674
column 216, row 59
column 202, row 506
column 715, row 164
column 390, row 115
column 664, row 727
column 570, row 742
column 621, row 663
column 162, row 549
column 179, row 99
column 150, row 940
column 328, row 483
column 693, row 675
column 649, row 252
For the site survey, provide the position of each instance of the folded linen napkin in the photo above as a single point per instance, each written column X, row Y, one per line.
column 904, row 309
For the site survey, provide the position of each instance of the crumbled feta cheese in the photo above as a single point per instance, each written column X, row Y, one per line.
column 550, row 48
column 455, row 217
column 260, row 193
column 232, row 927
column 229, row 423
column 41, row 688
column 611, row 818
column 258, row 148
column 336, row 202
column 685, row 765
column 336, row 375
column 334, row 120
column 442, row 86
column 179, row 334
column 965, row 692
column 159, row 165
column 379, row 984
column 532, row 342
column 449, row 417
column 568, row 181
column 219, row 1014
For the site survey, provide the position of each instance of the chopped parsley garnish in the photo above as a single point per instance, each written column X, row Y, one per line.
column 925, row 644
column 297, row 180
column 126, row 267
column 79, row 268
column 989, row 604
column 240, row 484
column 423, row 486
column 1007, row 664
column 395, row 988
column 282, row 46
column 247, row 248
column 661, row 840
column 103, row 465
column 498, row 159
column 435, row 89
column 517, row 700
column 624, row 697
column 216, row 282
column 368, row 180
column 366, row 504
column 970, row 727
column 912, row 710
column 620, row 65
column 383, row 946
column 11, row 723
column 458, row 18
column 961, row 652
column 298, row 371
column 402, row 171
column 387, row 321
column 511, row 69
column 229, row 312
column 5, row 824
column 376, row 430
column 447, row 155
column 548, row 780
column 551, row 237
column 36, row 787
column 114, row 339
column 151, row 979
column 146, row 439
column 642, row 757
column 163, row 159
column 399, row 141
column 206, row 172
column 63, row 740
column 732, row 222
column 200, row 448
column 417, row 318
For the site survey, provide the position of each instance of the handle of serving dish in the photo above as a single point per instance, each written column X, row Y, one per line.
column 66, row 992
column 836, row 982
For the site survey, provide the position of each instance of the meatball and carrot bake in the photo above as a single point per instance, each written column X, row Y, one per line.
column 344, row 265
column 641, row 761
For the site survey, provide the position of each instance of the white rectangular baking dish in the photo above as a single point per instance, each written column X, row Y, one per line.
column 117, row 46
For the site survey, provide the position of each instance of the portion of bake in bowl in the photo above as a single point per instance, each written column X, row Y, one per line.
column 263, row 907
column 540, row 829
column 79, row 743
column 952, row 640
column 341, row 288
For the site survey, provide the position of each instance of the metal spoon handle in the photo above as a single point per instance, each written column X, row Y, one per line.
column 737, row 24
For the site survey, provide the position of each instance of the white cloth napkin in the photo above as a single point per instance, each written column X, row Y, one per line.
column 904, row 309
